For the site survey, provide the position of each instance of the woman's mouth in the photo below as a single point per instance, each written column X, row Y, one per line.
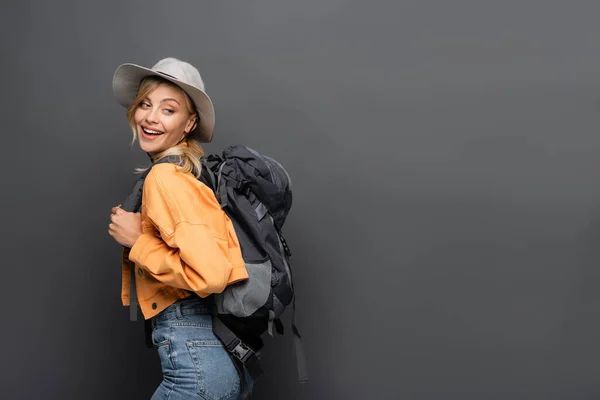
column 150, row 132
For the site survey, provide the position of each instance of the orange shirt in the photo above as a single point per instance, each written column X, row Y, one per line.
column 188, row 243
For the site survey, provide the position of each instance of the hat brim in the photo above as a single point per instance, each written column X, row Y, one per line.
column 126, row 83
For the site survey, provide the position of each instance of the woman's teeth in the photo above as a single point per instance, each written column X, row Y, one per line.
column 151, row 132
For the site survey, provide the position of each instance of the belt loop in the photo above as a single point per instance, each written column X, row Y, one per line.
column 178, row 310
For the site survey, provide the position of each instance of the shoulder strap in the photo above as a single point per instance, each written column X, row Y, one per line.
column 208, row 177
column 300, row 356
column 133, row 203
column 211, row 177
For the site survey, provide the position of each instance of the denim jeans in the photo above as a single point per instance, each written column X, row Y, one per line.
column 195, row 364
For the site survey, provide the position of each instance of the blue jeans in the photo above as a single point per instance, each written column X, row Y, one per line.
column 195, row 364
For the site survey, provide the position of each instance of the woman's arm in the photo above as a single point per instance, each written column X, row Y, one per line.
column 197, row 249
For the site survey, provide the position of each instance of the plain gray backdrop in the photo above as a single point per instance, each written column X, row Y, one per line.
column 444, row 154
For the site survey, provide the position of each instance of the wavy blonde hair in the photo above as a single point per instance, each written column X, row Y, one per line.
column 191, row 151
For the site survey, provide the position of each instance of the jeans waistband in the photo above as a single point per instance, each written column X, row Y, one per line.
column 188, row 306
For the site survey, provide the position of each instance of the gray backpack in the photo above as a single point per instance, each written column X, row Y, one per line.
column 255, row 192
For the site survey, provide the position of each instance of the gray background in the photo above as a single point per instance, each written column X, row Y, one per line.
column 446, row 216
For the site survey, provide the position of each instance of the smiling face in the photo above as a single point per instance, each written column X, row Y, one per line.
column 161, row 116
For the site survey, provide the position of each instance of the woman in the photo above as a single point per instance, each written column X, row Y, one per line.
column 182, row 246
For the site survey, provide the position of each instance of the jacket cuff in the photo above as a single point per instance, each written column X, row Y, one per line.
column 142, row 246
column 238, row 274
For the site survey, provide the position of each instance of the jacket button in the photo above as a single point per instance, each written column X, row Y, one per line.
column 140, row 272
column 154, row 306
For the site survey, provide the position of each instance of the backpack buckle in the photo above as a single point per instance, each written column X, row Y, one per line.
column 241, row 351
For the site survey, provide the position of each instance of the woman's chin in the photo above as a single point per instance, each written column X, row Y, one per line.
column 147, row 148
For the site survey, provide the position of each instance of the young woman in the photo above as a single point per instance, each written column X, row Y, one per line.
column 182, row 246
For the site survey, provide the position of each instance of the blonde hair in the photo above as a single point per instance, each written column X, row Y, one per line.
column 192, row 151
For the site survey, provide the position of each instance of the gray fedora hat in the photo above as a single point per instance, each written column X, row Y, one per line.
column 127, row 79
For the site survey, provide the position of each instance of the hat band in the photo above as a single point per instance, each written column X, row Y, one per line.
column 169, row 75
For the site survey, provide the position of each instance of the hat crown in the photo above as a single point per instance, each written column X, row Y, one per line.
column 180, row 70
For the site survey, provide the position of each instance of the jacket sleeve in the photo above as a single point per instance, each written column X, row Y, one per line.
column 197, row 249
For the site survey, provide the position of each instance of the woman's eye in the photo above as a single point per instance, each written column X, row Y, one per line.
column 145, row 105
column 169, row 111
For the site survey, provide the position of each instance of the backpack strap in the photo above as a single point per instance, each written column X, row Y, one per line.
column 270, row 322
column 222, row 191
column 133, row 203
column 300, row 357
column 208, row 177
column 211, row 176
column 241, row 354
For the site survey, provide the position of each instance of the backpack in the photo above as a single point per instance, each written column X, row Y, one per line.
column 255, row 192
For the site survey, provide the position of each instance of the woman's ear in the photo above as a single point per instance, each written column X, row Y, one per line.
column 191, row 124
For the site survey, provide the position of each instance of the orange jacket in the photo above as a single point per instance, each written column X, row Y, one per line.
column 188, row 243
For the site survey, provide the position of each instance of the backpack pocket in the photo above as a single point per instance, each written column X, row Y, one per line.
column 244, row 298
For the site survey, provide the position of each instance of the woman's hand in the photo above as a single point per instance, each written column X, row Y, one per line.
column 125, row 227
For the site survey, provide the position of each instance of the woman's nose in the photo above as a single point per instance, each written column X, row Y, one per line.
column 152, row 116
